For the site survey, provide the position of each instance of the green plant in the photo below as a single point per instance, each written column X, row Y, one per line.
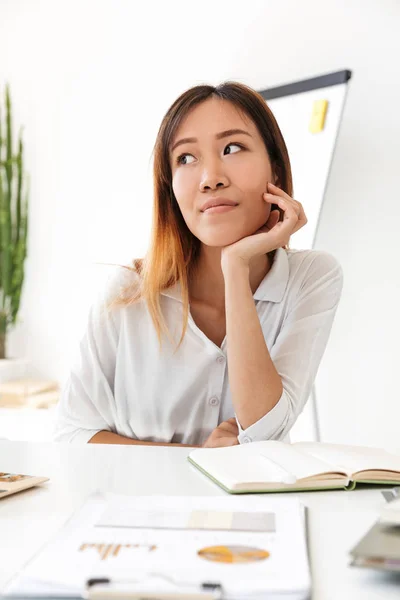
column 14, row 196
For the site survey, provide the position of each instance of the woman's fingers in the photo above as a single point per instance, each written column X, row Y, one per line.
column 227, row 441
column 272, row 219
column 293, row 210
column 278, row 191
column 289, row 208
column 230, row 427
column 287, row 202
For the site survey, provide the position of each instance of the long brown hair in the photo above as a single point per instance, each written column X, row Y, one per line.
column 173, row 249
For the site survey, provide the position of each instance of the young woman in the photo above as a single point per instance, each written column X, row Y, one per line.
column 215, row 337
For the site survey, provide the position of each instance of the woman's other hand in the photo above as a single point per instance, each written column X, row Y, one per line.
column 224, row 435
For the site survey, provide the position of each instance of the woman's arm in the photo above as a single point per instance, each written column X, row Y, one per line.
column 269, row 390
column 295, row 355
column 255, row 383
column 107, row 437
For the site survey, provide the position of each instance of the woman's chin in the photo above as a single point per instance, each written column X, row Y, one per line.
column 219, row 241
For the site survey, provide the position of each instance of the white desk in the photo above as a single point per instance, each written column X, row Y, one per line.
column 27, row 520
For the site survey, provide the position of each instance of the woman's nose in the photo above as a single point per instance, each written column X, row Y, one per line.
column 210, row 185
column 212, row 178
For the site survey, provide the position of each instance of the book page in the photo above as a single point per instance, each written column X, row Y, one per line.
column 354, row 458
column 261, row 462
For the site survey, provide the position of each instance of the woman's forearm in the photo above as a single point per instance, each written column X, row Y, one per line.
column 255, row 384
column 107, row 437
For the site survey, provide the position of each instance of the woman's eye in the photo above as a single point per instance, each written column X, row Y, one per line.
column 229, row 145
column 180, row 157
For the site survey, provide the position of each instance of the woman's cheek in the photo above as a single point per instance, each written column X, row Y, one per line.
column 182, row 185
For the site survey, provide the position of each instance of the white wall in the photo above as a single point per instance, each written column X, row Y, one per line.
column 91, row 80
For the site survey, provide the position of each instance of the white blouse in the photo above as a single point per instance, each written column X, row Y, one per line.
column 121, row 382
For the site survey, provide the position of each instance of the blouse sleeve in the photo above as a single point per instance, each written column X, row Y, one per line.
column 300, row 346
column 87, row 403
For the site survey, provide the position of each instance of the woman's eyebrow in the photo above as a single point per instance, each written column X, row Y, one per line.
column 218, row 136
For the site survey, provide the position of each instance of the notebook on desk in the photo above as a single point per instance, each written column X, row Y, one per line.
column 11, row 483
column 303, row 466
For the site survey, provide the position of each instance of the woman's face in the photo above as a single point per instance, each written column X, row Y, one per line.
column 216, row 165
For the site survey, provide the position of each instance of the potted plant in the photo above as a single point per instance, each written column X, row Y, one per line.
column 14, row 196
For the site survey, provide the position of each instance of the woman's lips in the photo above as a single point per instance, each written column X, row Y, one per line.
column 222, row 208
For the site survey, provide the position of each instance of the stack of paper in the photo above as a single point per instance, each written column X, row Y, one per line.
column 380, row 546
column 197, row 547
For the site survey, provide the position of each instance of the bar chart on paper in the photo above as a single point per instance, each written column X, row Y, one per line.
column 196, row 519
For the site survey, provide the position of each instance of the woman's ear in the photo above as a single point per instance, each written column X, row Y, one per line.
column 276, row 179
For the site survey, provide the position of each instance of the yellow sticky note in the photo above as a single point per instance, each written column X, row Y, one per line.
column 317, row 122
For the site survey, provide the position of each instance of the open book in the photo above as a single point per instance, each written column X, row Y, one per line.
column 280, row 467
column 10, row 483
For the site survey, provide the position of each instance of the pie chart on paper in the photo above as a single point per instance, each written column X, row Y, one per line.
column 233, row 554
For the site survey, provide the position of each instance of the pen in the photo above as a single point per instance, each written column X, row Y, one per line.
column 103, row 588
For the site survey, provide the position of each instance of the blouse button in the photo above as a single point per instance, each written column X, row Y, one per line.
column 214, row 401
column 221, row 359
column 246, row 440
